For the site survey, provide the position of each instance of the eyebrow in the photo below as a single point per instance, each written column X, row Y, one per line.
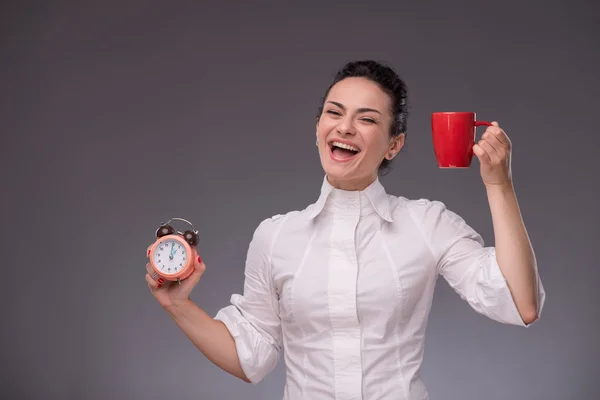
column 360, row 110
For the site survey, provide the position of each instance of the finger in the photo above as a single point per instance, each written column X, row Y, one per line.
column 502, row 151
column 499, row 134
column 481, row 154
column 152, row 284
column 489, row 149
column 155, row 283
column 151, row 271
column 502, row 137
column 199, row 268
column 491, row 138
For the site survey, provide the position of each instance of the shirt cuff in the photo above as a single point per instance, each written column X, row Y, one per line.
column 495, row 296
column 257, row 355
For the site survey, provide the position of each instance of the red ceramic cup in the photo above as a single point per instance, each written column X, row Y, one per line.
column 453, row 136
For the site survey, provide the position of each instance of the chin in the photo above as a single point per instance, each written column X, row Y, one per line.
column 342, row 173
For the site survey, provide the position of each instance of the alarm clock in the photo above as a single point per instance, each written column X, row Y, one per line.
column 173, row 254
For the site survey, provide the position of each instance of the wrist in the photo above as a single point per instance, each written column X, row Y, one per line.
column 500, row 188
column 179, row 306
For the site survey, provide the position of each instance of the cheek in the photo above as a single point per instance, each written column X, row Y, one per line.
column 375, row 140
column 324, row 127
column 323, row 131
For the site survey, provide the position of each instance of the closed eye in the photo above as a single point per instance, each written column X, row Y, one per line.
column 369, row 120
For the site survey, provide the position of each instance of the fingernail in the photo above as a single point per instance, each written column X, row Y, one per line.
column 161, row 280
column 199, row 259
column 159, row 285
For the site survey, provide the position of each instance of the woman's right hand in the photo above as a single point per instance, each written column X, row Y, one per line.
column 169, row 293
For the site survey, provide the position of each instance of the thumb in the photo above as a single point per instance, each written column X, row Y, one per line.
column 495, row 123
column 199, row 268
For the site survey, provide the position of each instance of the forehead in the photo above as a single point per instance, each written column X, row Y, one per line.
column 359, row 92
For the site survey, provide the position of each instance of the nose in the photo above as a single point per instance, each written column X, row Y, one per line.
column 346, row 126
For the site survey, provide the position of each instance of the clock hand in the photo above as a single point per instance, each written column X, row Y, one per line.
column 171, row 255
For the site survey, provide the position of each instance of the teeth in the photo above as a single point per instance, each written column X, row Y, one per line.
column 345, row 146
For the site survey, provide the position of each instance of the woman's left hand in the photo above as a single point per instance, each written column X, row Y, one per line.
column 493, row 151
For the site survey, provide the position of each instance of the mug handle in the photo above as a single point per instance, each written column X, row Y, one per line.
column 482, row 123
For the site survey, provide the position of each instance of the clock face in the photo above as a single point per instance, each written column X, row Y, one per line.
column 170, row 256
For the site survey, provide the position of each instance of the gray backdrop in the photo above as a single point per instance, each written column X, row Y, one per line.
column 116, row 116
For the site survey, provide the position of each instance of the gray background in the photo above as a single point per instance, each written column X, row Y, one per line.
column 116, row 116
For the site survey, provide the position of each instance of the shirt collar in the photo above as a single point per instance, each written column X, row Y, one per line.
column 375, row 193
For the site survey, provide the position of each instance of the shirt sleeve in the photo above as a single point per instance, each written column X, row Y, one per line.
column 470, row 268
column 253, row 318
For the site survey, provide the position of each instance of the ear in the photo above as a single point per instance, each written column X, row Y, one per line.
column 396, row 144
column 317, row 129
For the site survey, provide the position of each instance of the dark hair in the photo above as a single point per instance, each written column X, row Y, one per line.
column 389, row 81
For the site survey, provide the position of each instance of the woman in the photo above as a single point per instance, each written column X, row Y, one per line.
column 345, row 286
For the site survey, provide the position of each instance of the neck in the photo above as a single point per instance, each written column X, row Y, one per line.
column 351, row 184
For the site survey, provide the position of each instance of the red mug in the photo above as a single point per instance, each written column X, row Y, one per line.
column 453, row 136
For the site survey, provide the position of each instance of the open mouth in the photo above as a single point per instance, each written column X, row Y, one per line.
column 342, row 151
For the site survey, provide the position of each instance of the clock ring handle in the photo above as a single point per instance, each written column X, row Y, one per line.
column 184, row 220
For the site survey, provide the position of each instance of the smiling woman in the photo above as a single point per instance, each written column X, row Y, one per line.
column 365, row 107
column 344, row 287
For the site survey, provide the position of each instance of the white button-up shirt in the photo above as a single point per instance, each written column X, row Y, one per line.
column 344, row 287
